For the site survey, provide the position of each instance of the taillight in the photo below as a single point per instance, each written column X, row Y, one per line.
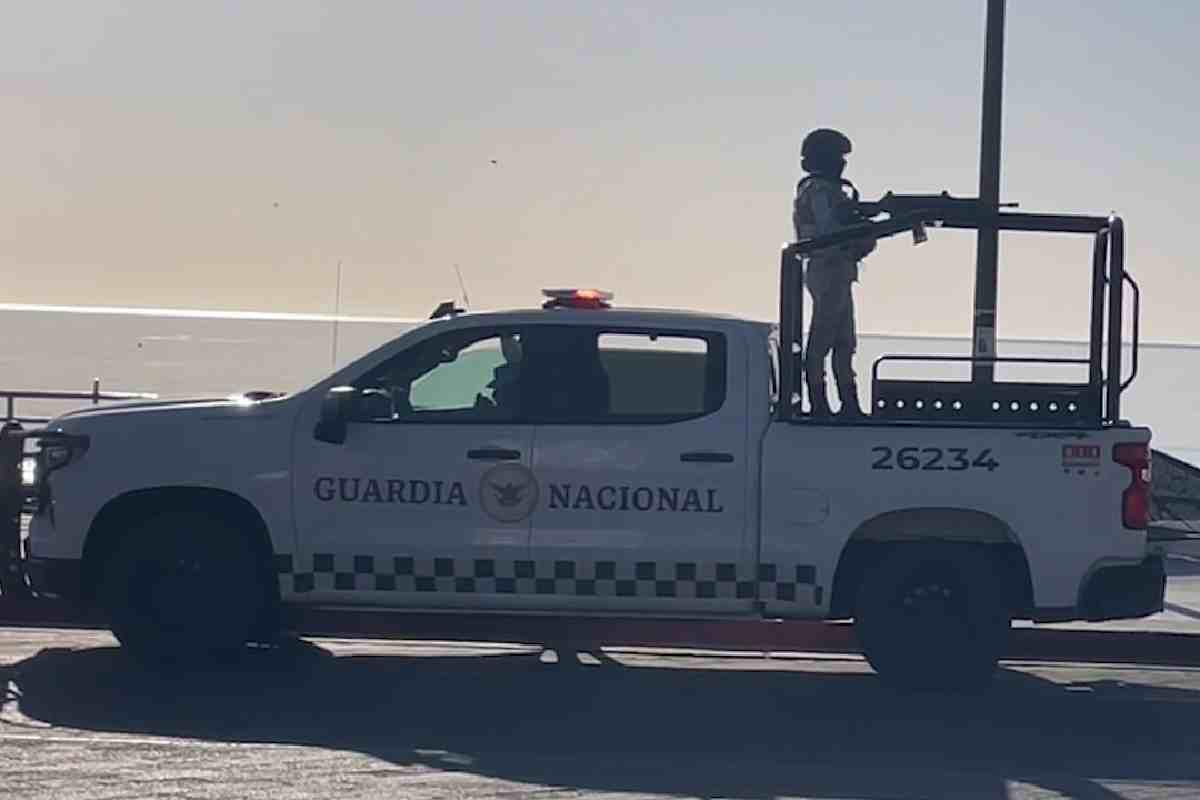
column 1135, row 501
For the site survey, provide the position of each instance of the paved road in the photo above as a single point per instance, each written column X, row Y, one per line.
column 360, row 719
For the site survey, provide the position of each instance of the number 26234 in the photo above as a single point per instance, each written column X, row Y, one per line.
column 933, row 459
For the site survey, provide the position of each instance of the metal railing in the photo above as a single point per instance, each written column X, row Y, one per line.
column 12, row 422
column 14, row 494
column 95, row 396
column 1109, row 281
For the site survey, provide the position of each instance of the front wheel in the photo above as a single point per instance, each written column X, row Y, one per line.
column 183, row 585
column 933, row 617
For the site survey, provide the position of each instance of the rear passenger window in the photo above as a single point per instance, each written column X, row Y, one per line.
column 662, row 377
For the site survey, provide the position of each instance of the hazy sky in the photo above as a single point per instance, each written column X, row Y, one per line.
column 228, row 154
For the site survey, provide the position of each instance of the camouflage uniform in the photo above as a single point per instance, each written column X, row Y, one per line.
column 829, row 275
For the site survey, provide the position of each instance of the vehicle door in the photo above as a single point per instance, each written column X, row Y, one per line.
column 427, row 502
column 643, row 469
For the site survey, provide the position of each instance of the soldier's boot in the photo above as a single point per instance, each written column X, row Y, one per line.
column 818, row 398
column 848, row 392
column 847, row 384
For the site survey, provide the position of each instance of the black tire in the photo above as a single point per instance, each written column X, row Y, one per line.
column 184, row 586
column 934, row 617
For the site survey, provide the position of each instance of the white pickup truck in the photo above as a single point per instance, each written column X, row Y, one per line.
column 577, row 459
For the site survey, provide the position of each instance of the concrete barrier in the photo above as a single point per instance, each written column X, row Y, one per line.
column 1174, row 489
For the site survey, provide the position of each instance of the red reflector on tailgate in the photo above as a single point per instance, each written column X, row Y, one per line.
column 1135, row 500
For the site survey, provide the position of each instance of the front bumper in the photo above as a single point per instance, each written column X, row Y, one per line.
column 55, row 577
column 1125, row 591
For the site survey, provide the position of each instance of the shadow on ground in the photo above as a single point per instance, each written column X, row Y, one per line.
column 686, row 730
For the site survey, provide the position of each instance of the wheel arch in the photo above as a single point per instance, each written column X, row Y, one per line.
column 117, row 515
column 879, row 535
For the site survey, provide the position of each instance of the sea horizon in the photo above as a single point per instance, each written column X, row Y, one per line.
column 179, row 352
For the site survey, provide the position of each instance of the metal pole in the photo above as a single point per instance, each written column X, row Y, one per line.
column 788, row 300
column 987, row 250
column 1116, row 319
column 1096, row 337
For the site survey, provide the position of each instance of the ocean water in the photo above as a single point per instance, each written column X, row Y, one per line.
column 213, row 354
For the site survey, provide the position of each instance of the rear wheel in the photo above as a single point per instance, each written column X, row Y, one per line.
column 184, row 585
column 934, row 617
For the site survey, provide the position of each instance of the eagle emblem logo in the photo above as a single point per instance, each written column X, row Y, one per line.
column 508, row 492
column 509, row 495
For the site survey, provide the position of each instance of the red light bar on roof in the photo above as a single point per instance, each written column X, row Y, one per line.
column 576, row 298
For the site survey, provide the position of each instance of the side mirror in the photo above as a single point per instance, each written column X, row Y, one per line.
column 335, row 407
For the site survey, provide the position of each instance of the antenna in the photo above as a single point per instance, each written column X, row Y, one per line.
column 337, row 316
column 463, row 286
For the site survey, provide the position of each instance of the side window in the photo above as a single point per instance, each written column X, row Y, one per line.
column 458, row 384
column 461, row 376
column 585, row 375
column 658, row 377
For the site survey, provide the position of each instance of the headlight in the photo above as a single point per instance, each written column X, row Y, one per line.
column 28, row 471
column 57, row 451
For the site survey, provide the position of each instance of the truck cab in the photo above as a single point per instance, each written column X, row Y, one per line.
column 584, row 459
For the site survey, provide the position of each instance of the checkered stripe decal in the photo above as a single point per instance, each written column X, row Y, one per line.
column 675, row 579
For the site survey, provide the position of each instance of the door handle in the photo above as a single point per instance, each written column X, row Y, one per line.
column 706, row 457
column 493, row 454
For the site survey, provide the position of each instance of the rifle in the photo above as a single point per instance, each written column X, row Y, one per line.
column 942, row 206
column 918, row 208
column 858, row 218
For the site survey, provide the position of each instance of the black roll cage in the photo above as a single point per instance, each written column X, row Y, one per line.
column 1094, row 404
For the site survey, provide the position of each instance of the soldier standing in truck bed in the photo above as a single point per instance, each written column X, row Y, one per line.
column 819, row 209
